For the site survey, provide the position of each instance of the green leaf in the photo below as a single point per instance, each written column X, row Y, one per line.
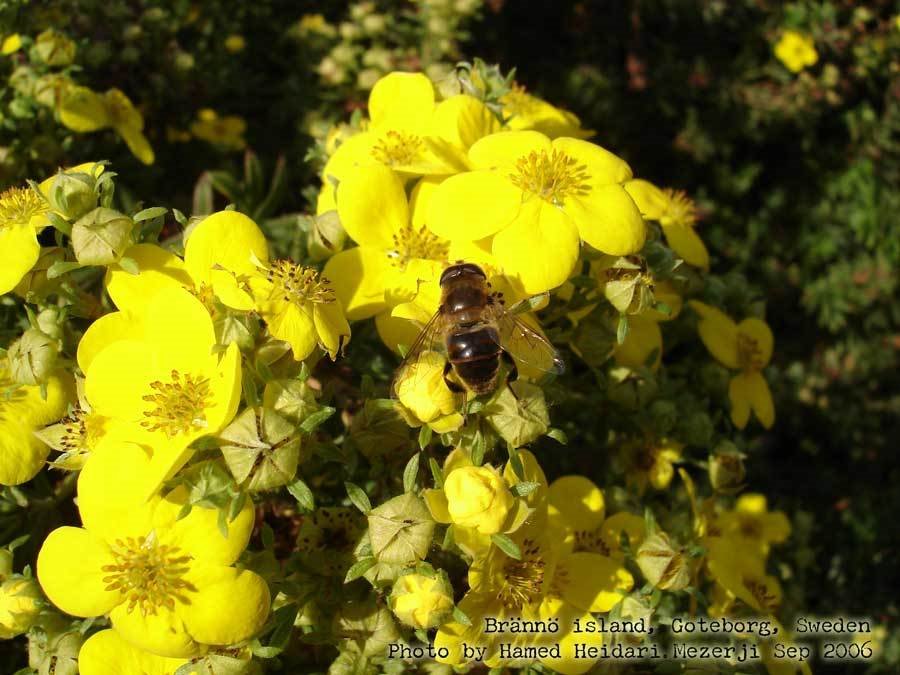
column 57, row 269
column 425, row 434
column 358, row 497
column 179, row 217
column 460, row 616
column 130, row 265
column 204, row 200
column 411, row 473
column 301, row 492
column 622, row 329
column 558, row 435
column 147, row 214
column 60, row 223
column 507, row 545
column 311, row 423
column 436, row 472
column 359, row 568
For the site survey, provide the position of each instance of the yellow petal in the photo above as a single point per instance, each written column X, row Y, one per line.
column 650, row 200
column 198, row 534
column 594, row 582
column 718, row 332
column 521, row 249
column 221, row 248
column 502, row 150
column 83, row 110
column 106, row 330
column 568, row 640
column 22, row 455
column 355, row 151
column 357, row 277
column 294, row 325
column 158, row 268
column 643, row 339
column 19, row 251
column 613, row 527
column 608, row 220
column 178, row 325
column 436, row 501
column 463, row 119
column 117, row 391
column 11, row 44
column 372, row 205
column 74, row 582
column 106, row 653
column 402, row 101
column 331, row 326
column 420, row 199
column 163, row 633
column 687, row 244
column 759, row 331
column 473, row 205
column 112, row 491
column 739, row 395
column 136, row 141
column 603, row 167
column 243, row 593
column 395, row 331
column 579, row 502
column 751, row 389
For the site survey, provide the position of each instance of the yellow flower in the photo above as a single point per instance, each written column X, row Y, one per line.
column 534, row 195
column 158, row 383
column 11, row 44
column 106, row 653
column 746, row 347
column 22, row 411
column 219, row 258
column 676, row 214
column 299, row 306
column 424, row 395
column 421, row 601
column 167, row 584
column 227, row 131
column 651, row 462
column 409, row 133
column 394, row 255
column 526, row 111
column 235, row 43
column 754, row 524
column 83, row 110
column 76, row 434
column 741, row 575
column 578, row 509
column 20, row 606
column 796, row 51
column 478, row 497
column 548, row 582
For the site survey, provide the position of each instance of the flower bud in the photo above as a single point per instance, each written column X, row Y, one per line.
column 53, row 48
column 20, row 605
column 35, row 280
column 662, row 565
column 50, row 322
column 184, row 61
column 326, row 236
column 61, row 655
column 32, row 358
column 366, row 78
column 478, row 497
column 261, row 449
column 726, row 468
column 6, row 563
column 349, row 31
column 401, row 530
column 101, row 237
column 421, row 601
column 424, row 393
column 374, row 24
column 72, row 194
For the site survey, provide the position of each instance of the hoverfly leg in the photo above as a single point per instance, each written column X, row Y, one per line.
column 513, row 374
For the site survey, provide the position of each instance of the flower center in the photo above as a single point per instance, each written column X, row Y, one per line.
column 149, row 574
column 397, row 147
column 523, row 580
column 749, row 353
column 299, row 284
column 204, row 293
column 519, row 102
column 19, row 205
column 553, row 176
column 411, row 243
column 591, row 541
column 81, row 430
column 179, row 405
column 680, row 209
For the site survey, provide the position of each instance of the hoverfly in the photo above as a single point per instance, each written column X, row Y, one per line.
column 476, row 331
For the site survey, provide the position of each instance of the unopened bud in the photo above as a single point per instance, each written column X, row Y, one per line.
column 422, row 601
column 73, row 194
column 32, row 358
column 726, row 468
column 20, row 605
column 35, row 280
column 662, row 565
column 61, row 656
column 53, row 48
column 101, row 237
column 326, row 236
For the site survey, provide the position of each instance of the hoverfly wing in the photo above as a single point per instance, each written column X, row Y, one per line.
column 430, row 338
column 521, row 336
